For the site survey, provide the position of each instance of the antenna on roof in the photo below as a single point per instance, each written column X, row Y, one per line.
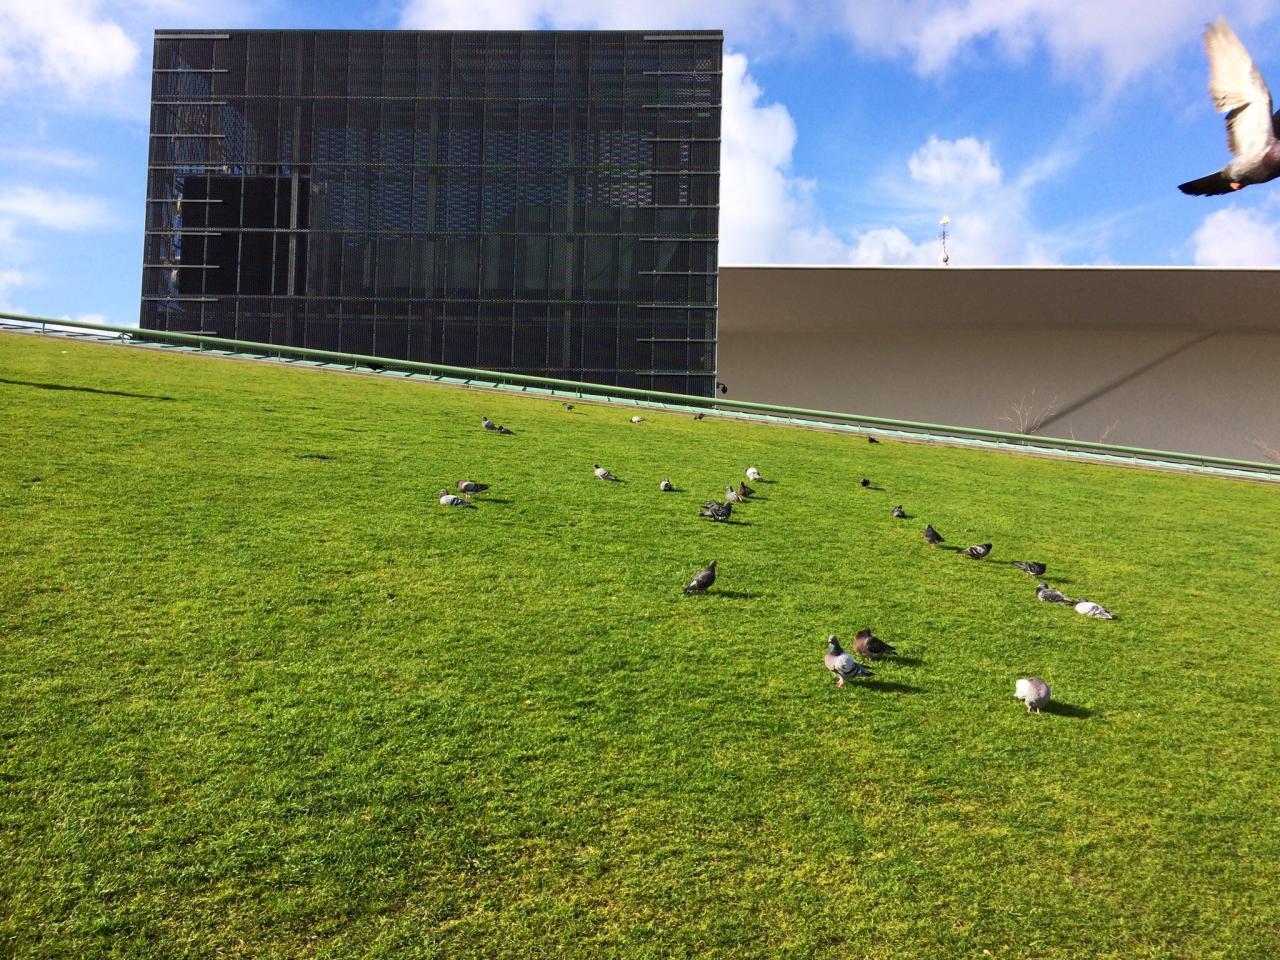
column 946, row 257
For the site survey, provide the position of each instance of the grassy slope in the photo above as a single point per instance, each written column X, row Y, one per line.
column 219, row 732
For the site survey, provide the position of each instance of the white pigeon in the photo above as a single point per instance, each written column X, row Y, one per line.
column 753, row 474
column 604, row 474
column 1091, row 609
column 637, row 419
column 447, row 499
column 665, row 486
column 1032, row 691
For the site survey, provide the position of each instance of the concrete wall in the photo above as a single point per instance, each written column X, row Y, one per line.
column 1169, row 358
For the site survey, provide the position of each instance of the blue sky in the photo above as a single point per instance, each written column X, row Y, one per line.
column 1048, row 131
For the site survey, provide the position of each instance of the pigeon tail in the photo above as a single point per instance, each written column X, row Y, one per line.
column 1214, row 185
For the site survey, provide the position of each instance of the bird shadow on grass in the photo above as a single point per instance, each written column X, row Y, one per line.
column 735, row 594
column 1061, row 709
column 890, row 686
column 950, row 546
column 65, row 386
column 494, row 500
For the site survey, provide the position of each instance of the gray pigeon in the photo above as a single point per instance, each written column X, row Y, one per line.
column 604, row 474
column 1032, row 691
column 447, row 499
column 488, row 424
column 932, row 536
column 977, row 551
column 871, row 646
column 1049, row 595
column 717, row 511
column 470, row 486
column 731, row 495
column 1030, row 567
column 1091, row 609
column 841, row 664
column 703, row 579
column 898, row 513
column 1239, row 91
column 665, row 486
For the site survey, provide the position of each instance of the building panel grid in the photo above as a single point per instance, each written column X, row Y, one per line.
column 535, row 202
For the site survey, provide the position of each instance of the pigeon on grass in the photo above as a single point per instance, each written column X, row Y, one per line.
column 505, row 432
column 1090, row 609
column 567, row 406
column 1032, row 691
column 716, row 510
column 703, row 579
column 488, row 424
column 1049, row 595
column 1030, row 567
column 447, row 499
column 864, row 483
column 604, row 474
column 871, row 646
column 637, row 419
column 898, row 513
column 872, row 440
column 744, row 491
column 470, row 486
column 931, row 536
column 753, row 474
column 665, row 486
column 841, row 664
column 699, row 416
column 977, row 551
column 731, row 495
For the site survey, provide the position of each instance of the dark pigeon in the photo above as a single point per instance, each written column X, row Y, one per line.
column 470, row 486
column 702, row 580
column 1049, row 595
column 898, row 513
column 872, row 440
column 864, row 483
column 567, row 406
column 977, row 551
column 841, row 664
column 871, row 646
column 1030, row 567
column 503, row 430
column 698, row 416
column 932, row 536
column 665, row 486
column 744, row 491
column 1239, row 91
column 716, row 510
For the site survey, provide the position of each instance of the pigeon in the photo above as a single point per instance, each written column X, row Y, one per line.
column 977, row 551
column 864, row 483
column 637, row 419
column 665, row 486
column 604, row 474
column 898, row 513
column 1049, row 595
column 698, row 416
column 872, row 440
column 488, row 424
column 505, row 432
column 1091, row 609
column 932, row 536
column 702, row 579
column 567, row 406
column 447, row 499
column 841, row 664
column 731, row 495
column 1030, row 567
column 753, row 474
column 1032, row 691
column 871, row 646
column 1239, row 91
column 470, row 486
column 744, row 491
column 717, row 511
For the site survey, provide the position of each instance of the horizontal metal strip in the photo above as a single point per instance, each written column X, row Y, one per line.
column 191, row 136
column 181, row 200
column 182, row 266
column 190, row 70
column 193, row 36
column 180, row 299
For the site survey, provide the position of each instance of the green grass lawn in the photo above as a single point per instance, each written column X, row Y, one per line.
column 261, row 696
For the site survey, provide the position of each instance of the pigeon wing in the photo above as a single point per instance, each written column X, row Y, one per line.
column 1239, row 91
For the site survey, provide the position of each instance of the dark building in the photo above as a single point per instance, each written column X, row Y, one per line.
column 541, row 202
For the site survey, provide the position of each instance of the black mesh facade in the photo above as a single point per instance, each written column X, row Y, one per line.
column 539, row 202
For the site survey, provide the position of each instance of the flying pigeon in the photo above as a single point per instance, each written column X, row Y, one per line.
column 841, row 664
column 932, row 536
column 488, row 424
column 864, row 483
column 898, row 513
column 731, row 495
column 716, row 511
column 1032, row 691
column 702, row 579
column 470, row 486
column 753, row 474
column 744, row 491
column 1030, row 567
column 1091, row 609
column 977, row 551
column 1239, row 91
column 872, row 440
column 604, row 474
column 665, row 486
column 447, row 499
column 871, row 646
column 503, row 430
column 1049, row 595
column 637, row 419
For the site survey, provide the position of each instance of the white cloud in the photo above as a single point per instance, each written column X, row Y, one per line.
column 964, row 165
column 66, row 43
column 49, row 157
column 1236, row 237
column 56, row 209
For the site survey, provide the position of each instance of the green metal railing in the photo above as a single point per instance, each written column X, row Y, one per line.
column 605, row 391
